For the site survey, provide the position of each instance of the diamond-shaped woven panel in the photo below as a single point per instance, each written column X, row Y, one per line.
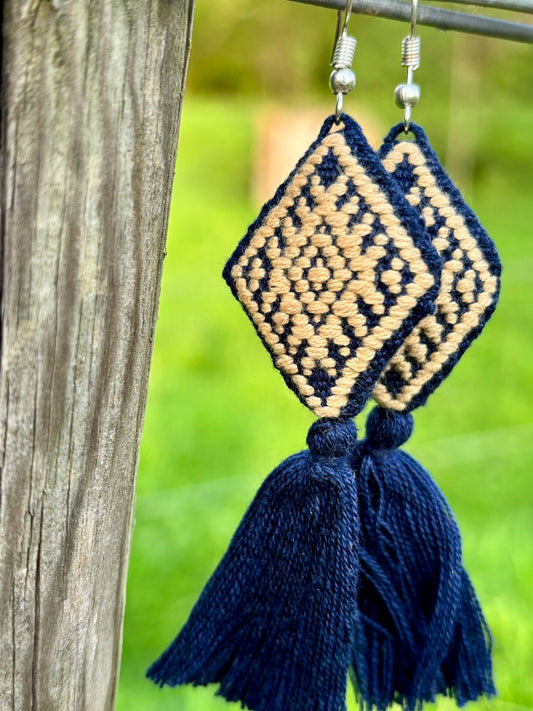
column 469, row 280
column 330, row 274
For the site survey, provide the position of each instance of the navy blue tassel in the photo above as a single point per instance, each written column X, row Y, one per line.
column 273, row 626
column 419, row 629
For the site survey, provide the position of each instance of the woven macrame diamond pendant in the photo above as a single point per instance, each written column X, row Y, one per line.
column 469, row 281
column 330, row 277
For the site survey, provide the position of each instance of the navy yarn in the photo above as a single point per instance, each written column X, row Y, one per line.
column 273, row 626
column 386, row 429
column 419, row 629
column 331, row 438
column 467, row 669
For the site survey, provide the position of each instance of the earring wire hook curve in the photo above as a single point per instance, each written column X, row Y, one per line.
column 343, row 19
column 414, row 16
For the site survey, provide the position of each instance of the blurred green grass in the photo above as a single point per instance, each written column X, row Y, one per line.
column 219, row 418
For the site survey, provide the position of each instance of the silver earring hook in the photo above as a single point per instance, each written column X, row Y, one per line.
column 343, row 19
column 347, row 15
column 408, row 95
column 342, row 79
column 414, row 16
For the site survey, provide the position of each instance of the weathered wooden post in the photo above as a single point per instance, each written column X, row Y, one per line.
column 90, row 106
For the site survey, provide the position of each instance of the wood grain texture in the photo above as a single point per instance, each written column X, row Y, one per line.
column 90, row 105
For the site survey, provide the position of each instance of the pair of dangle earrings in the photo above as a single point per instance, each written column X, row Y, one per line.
column 366, row 276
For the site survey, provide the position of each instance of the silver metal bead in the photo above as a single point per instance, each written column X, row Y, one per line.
column 407, row 95
column 342, row 81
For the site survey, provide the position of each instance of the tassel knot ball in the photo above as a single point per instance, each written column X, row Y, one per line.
column 332, row 438
column 386, row 429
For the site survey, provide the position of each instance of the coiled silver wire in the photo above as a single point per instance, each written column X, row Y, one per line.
column 344, row 52
column 411, row 52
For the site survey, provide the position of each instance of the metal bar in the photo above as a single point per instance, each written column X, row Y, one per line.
column 435, row 17
column 511, row 5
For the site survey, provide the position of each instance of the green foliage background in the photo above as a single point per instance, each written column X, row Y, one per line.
column 219, row 418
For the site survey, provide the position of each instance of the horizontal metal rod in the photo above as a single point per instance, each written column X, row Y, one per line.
column 435, row 17
column 511, row 5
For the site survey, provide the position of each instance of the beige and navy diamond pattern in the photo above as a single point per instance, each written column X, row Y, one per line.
column 331, row 275
column 469, row 280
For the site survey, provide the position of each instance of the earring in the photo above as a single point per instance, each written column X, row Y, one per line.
column 334, row 274
column 419, row 628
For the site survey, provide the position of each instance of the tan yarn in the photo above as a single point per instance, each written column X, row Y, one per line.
column 311, row 303
column 456, row 277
